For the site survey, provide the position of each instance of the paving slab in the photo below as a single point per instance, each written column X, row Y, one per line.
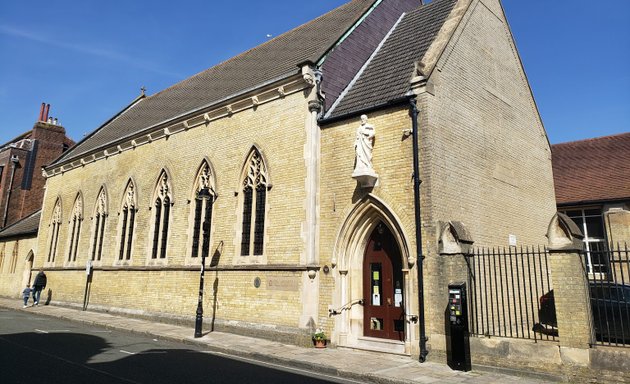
column 363, row 366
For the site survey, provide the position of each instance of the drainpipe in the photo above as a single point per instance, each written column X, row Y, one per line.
column 413, row 113
column 14, row 161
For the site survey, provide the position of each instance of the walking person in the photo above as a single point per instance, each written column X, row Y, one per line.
column 39, row 285
column 26, row 293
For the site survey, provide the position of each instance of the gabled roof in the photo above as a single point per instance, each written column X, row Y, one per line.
column 387, row 76
column 27, row 226
column 273, row 60
column 593, row 170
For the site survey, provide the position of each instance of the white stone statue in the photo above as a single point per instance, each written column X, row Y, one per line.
column 363, row 146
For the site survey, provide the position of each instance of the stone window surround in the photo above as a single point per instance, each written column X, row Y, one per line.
column 163, row 192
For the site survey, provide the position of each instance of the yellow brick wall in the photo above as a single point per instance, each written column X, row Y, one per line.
column 277, row 129
column 486, row 157
column 15, row 265
column 392, row 161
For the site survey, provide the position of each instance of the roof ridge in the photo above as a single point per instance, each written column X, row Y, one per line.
column 592, row 139
column 259, row 46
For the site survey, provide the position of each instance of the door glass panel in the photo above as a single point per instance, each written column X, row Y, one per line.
column 398, row 295
column 376, row 324
column 377, row 283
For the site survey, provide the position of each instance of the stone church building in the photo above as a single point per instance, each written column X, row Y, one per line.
column 304, row 147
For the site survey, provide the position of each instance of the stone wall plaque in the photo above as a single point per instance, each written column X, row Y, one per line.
column 282, row 284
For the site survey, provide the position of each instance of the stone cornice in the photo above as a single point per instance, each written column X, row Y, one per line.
column 218, row 111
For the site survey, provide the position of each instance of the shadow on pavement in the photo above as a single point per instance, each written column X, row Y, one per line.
column 81, row 358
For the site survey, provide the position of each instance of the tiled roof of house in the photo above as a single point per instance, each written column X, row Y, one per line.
column 272, row 60
column 592, row 170
column 27, row 226
column 386, row 78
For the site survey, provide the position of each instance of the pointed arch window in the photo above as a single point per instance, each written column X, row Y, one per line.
column 203, row 210
column 14, row 257
column 127, row 222
column 100, row 216
column 254, row 192
column 75, row 228
column 55, row 223
column 162, row 205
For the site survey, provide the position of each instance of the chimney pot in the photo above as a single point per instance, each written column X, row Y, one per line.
column 41, row 112
column 46, row 111
column 50, row 120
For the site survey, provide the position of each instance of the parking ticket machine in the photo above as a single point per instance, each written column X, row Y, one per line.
column 457, row 333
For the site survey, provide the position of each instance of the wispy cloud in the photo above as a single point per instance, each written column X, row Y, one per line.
column 83, row 49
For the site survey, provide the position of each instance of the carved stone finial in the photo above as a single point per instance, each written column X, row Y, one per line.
column 315, row 106
column 564, row 234
column 455, row 239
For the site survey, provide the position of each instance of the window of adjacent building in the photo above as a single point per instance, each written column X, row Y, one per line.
column 254, row 200
column 55, row 223
column 162, row 209
column 128, row 213
column 202, row 219
column 75, row 229
column 100, row 216
column 591, row 222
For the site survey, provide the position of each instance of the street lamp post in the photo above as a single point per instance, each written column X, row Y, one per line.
column 202, row 196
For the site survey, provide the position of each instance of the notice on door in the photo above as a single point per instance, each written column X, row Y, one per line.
column 398, row 297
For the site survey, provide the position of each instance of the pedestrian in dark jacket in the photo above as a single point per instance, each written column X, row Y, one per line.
column 26, row 293
column 39, row 285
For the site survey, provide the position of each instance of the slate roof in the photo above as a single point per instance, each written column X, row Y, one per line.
column 386, row 78
column 27, row 226
column 593, row 170
column 272, row 60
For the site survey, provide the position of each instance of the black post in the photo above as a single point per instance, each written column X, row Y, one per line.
column 413, row 112
column 204, row 254
column 88, row 280
column 204, row 196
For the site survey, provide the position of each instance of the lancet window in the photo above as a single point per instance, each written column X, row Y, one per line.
column 254, row 200
column 162, row 206
column 128, row 219
column 203, row 211
column 75, row 228
column 100, row 217
column 55, row 223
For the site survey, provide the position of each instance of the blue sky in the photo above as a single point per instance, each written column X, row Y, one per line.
column 89, row 58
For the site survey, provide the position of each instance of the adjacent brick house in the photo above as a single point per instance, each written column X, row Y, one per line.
column 296, row 238
column 591, row 182
column 21, row 161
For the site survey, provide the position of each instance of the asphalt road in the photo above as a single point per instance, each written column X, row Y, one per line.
column 38, row 349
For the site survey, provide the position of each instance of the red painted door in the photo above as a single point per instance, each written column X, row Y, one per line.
column 383, row 311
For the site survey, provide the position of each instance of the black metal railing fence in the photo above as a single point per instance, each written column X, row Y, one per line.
column 506, row 286
column 609, row 285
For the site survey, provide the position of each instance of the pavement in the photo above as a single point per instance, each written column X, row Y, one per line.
column 361, row 366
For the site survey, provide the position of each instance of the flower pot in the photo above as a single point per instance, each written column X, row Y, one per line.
column 320, row 343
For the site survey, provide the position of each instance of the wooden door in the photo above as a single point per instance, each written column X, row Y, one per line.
column 383, row 311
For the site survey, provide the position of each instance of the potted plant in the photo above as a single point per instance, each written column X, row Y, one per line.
column 319, row 338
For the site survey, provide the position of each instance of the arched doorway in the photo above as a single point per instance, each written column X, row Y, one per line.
column 383, row 309
column 371, row 234
column 28, row 267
